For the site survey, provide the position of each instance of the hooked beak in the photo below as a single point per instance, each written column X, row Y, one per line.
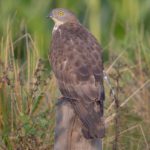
column 50, row 15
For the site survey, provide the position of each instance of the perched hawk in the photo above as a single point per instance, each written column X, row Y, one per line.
column 76, row 59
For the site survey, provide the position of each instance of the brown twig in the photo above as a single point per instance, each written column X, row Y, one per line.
column 116, row 120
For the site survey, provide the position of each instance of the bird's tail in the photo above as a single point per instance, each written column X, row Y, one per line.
column 91, row 117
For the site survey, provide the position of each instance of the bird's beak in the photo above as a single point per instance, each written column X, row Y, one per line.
column 50, row 15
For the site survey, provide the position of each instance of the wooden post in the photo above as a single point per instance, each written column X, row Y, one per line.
column 68, row 135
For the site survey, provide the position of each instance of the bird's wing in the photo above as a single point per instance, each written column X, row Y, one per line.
column 79, row 68
column 77, row 65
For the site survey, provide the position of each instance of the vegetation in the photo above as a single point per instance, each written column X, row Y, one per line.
column 28, row 89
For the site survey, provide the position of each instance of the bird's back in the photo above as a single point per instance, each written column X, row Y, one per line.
column 77, row 64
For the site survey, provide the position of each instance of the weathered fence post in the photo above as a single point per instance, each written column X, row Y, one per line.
column 68, row 135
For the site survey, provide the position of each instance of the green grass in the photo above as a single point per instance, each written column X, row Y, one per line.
column 26, row 97
column 28, row 89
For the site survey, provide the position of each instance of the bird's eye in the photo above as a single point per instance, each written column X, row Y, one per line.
column 60, row 13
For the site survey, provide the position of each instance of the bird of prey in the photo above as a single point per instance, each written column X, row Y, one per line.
column 76, row 60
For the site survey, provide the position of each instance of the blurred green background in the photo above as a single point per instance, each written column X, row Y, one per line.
column 103, row 17
column 28, row 92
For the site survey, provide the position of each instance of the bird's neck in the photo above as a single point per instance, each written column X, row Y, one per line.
column 57, row 24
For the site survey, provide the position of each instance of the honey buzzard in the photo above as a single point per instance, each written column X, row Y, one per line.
column 76, row 59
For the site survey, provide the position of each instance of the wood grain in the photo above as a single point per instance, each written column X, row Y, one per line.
column 68, row 135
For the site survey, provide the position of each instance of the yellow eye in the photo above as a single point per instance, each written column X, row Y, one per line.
column 60, row 13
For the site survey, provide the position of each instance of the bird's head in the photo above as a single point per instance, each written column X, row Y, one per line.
column 61, row 16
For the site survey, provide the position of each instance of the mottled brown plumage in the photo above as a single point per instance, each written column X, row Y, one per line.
column 76, row 61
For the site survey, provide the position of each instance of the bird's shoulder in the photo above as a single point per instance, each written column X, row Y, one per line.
column 74, row 44
column 73, row 30
column 77, row 36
